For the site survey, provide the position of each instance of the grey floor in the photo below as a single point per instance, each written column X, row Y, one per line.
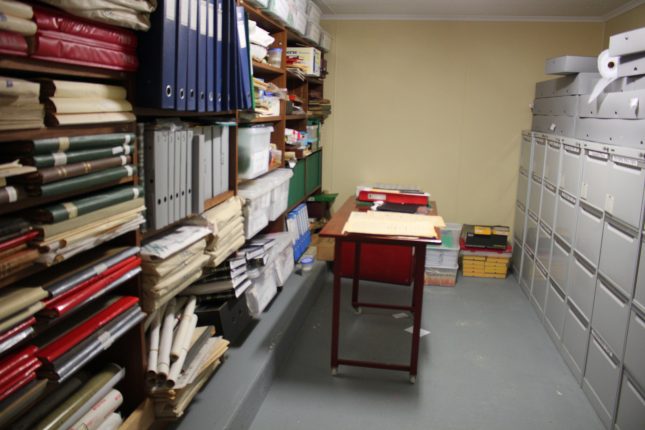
column 488, row 363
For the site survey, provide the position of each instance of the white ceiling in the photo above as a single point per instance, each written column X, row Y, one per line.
column 476, row 9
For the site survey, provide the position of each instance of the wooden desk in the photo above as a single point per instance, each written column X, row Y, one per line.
column 334, row 229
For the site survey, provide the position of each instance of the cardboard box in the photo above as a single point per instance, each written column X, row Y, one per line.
column 325, row 247
column 308, row 57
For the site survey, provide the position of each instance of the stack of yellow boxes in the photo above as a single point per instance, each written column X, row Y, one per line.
column 484, row 266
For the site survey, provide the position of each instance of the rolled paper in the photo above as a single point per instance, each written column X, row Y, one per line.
column 182, row 331
column 153, row 344
column 165, row 343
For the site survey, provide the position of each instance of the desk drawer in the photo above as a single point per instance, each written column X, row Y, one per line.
column 384, row 263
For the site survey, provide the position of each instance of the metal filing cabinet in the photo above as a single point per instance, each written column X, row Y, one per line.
column 539, row 154
column 545, row 240
column 610, row 316
column 565, row 219
column 601, row 379
column 536, row 195
column 552, row 163
column 575, row 339
column 555, row 309
column 631, row 406
column 520, row 220
column 625, row 188
column 538, row 290
column 530, row 238
column 525, row 152
column 571, row 166
column 595, row 171
column 635, row 349
column 583, row 285
column 639, row 294
column 549, row 198
column 589, row 232
column 560, row 256
column 516, row 258
column 527, row 271
column 522, row 189
column 619, row 255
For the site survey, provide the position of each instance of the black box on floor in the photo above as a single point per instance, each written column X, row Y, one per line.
column 230, row 318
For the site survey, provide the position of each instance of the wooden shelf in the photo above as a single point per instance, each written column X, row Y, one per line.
column 262, row 119
column 31, row 202
column 40, row 67
column 153, row 112
column 264, row 21
column 72, row 130
column 212, row 202
column 296, row 38
column 266, row 69
column 271, row 169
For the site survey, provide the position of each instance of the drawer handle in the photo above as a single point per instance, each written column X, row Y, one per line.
column 620, row 233
column 584, row 267
column 612, row 294
column 630, row 170
column 640, row 321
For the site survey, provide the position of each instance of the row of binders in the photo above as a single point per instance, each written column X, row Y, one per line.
column 196, row 57
column 184, row 166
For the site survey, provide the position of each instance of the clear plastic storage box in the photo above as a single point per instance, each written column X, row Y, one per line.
column 279, row 192
column 254, row 147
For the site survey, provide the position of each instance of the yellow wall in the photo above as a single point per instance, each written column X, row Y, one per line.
column 635, row 18
column 440, row 105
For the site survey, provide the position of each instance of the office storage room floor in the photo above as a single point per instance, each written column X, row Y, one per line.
column 488, row 363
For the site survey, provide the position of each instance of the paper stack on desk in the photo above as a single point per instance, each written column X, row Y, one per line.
column 393, row 224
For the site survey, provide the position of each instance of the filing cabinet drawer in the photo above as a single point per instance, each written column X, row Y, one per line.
column 547, row 211
column 631, row 407
column 635, row 350
column 539, row 155
column 575, row 339
column 610, row 316
column 545, row 239
column 571, row 169
column 619, row 256
column 538, row 291
column 582, row 286
column 516, row 257
column 625, row 189
column 602, row 376
column 595, row 170
column 555, row 309
column 552, row 163
column 520, row 219
column 530, row 239
column 559, row 269
column 527, row 271
column 565, row 219
column 639, row 294
column 525, row 152
column 589, row 232
column 522, row 189
column 535, row 196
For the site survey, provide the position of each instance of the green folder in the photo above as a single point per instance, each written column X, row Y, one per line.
column 87, row 181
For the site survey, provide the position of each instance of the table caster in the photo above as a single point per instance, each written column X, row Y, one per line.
column 358, row 310
column 413, row 379
column 334, row 371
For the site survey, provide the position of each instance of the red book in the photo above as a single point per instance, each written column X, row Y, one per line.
column 13, row 360
column 18, row 369
column 18, row 382
column 107, row 272
column 67, row 302
column 64, row 343
column 13, row 43
column 17, row 329
column 51, row 20
column 67, row 48
column 17, row 241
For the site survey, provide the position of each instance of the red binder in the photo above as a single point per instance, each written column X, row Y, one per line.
column 17, row 329
column 67, row 48
column 32, row 363
column 17, row 241
column 51, row 20
column 64, row 304
column 13, row 360
column 64, row 343
column 393, row 196
column 18, row 382
column 13, row 43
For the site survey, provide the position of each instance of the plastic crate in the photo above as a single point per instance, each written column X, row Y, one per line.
column 280, row 192
column 441, row 276
column 447, row 254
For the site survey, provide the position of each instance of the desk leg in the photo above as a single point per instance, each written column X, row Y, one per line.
column 357, row 273
column 335, row 319
column 417, row 305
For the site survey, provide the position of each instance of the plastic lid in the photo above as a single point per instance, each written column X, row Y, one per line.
column 307, row 260
column 262, row 129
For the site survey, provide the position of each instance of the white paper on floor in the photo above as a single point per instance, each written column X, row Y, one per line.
column 422, row 332
column 400, row 315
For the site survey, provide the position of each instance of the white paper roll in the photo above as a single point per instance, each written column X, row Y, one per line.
column 608, row 68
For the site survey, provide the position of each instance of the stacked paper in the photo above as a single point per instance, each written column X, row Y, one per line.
column 15, row 25
column 20, row 107
column 227, row 226
column 15, row 253
column 134, row 14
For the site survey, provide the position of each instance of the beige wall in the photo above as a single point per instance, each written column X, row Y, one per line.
column 635, row 18
column 440, row 105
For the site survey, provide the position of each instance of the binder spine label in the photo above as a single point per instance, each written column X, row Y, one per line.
column 171, row 9
column 193, row 15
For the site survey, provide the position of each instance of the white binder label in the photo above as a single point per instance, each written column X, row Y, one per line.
column 552, row 127
column 584, row 190
column 219, row 23
column 106, row 340
column 193, row 15
column 609, row 203
column 12, row 193
column 202, row 17
column 100, row 268
column 124, row 160
column 130, row 170
column 211, row 20
column 135, row 191
column 171, row 9
column 183, row 12
column 127, row 139
column 241, row 34
column 63, row 144
column 633, row 103
column 60, row 158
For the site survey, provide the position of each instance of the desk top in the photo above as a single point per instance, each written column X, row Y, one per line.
column 334, row 228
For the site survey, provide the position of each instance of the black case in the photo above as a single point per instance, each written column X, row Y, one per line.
column 230, row 318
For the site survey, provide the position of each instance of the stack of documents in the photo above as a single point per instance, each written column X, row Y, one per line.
column 20, row 107
column 10, row 171
column 280, row 255
column 17, row 307
column 15, row 26
column 134, row 14
column 65, row 164
column 18, row 370
column 181, row 356
column 260, row 40
column 16, row 254
column 229, row 280
column 267, row 98
column 65, row 39
column 320, row 107
column 73, row 103
column 171, row 263
column 227, row 225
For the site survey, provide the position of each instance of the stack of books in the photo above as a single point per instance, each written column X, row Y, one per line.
column 8, row 173
column 63, row 38
column 16, row 254
column 257, row 253
column 18, row 305
column 18, row 370
column 128, row 14
column 20, row 106
column 227, row 222
column 171, row 263
column 74, row 103
column 15, row 26
column 229, row 280
column 319, row 107
column 485, row 251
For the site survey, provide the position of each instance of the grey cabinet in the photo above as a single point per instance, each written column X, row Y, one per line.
column 539, row 154
column 619, row 255
column 583, row 285
column 535, row 196
column 519, row 221
column 544, row 242
column 560, row 256
column 571, row 170
column 516, row 257
column 555, row 309
column 589, row 227
column 552, row 162
column 639, row 294
column 601, row 380
column 631, row 407
column 565, row 219
column 626, row 178
column 539, row 288
column 549, row 199
column 610, row 316
column 635, row 349
column 525, row 152
column 527, row 271
column 522, row 188
column 595, row 171
column 575, row 339
column 530, row 239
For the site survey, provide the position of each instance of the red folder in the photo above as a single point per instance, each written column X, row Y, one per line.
column 13, row 43
column 17, row 329
column 83, row 285
column 31, row 363
column 64, row 343
column 392, row 196
column 18, row 382
column 13, row 360
column 17, row 241
column 67, row 48
column 64, row 304
column 51, row 20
